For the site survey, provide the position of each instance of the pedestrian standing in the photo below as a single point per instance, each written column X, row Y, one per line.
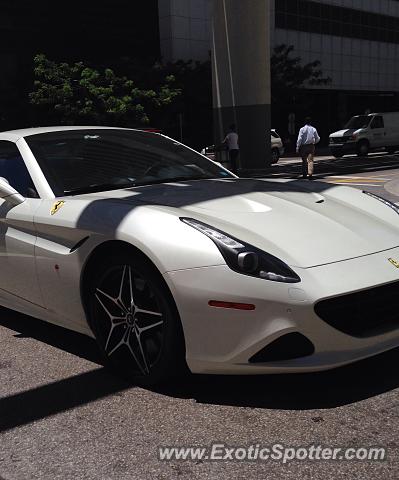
column 231, row 141
column 305, row 146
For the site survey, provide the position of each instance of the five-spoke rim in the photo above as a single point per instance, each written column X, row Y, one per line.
column 132, row 318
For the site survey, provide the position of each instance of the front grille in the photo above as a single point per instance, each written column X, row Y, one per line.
column 363, row 314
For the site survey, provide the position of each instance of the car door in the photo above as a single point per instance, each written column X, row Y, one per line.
column 18, row 278
column 377, row 132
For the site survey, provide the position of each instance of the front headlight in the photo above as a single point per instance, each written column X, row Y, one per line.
column 244, row 258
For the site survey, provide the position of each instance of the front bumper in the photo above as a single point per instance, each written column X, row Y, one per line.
column 220, row 340
column 342, row 148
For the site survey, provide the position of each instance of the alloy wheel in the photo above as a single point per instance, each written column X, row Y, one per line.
column 130, row 318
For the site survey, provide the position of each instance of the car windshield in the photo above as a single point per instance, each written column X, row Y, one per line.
column 83, row 161
column 360, row 121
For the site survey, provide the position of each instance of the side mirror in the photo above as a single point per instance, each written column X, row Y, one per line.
column 9, row 194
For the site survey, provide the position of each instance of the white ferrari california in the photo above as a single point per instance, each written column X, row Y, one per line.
column 170, row 261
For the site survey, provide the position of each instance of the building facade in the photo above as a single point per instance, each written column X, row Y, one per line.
column 356, row 41
column 184, row 29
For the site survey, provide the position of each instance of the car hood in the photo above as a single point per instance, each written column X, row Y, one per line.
column 344, row 133
column 305, row 224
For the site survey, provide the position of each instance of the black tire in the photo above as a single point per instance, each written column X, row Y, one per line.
column 275, row 155
column 135, row 320
column 337, row 152
column 362, row 148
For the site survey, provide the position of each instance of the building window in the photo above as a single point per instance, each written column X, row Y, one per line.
column 315, row 17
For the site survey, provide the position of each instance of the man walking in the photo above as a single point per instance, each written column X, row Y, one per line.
column 307, row 138
column 231, row 141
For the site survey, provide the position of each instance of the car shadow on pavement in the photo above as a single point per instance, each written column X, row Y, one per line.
column 63, row 395
column 322, row 390
column 67, row 340
column 49, row 399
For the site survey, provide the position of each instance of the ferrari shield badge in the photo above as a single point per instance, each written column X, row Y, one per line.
column 395, row 263
column 57, row 206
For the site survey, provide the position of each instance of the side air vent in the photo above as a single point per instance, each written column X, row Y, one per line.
column 78, row 245
column 287, row 347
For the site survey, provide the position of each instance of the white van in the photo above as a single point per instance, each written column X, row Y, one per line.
column 365, row 133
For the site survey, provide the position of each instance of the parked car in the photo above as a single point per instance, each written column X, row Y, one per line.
column 212, row 150
column 276, row 146
column 365, row 133
column 170, row 261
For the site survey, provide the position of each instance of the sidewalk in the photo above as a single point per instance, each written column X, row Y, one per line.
column 320, row 152
column 378, row 166
column 392, row 187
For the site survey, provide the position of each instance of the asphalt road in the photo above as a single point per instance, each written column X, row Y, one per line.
column 377, row 173
column 64, row 416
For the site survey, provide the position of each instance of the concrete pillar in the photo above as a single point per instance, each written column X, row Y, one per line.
column 241, row 76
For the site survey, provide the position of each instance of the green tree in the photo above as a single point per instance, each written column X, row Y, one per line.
column 291, row 81
column 76, row 93
column 193, row 107
column 289, row 75
column 291, row 89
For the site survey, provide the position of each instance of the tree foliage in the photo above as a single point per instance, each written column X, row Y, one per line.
column 163, row 95
column 288, row 75
column 192, row 110
column 291, row 80
column 76, row 93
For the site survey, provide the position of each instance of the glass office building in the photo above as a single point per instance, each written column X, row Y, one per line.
column 356, row 41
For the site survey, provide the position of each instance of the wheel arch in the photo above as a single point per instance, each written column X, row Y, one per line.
column 360, row 143
column 108, row 248
column 177, row 363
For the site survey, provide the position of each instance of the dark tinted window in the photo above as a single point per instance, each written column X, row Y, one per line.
column 360, row 121
column 79, row 161
column 13, row 169
column 377, row 122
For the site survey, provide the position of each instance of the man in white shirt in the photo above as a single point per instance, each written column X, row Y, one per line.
column 307, row 138
column 231, row 141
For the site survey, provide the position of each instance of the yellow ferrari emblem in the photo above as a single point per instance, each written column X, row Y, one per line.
column 57, row 206
column 395, row 263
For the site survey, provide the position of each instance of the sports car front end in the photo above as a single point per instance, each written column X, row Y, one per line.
column 335, row 315
column 332, row 303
